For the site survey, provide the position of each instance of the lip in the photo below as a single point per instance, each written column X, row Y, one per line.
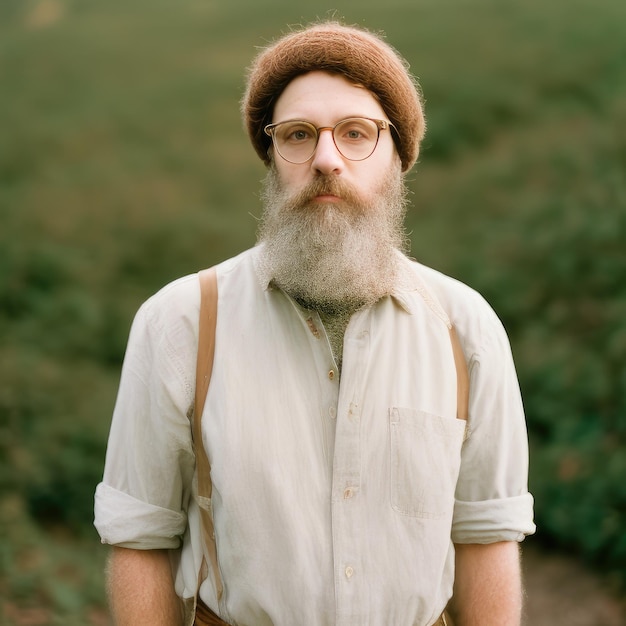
column 327, row 198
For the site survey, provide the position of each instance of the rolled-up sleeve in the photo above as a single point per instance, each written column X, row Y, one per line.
column 489, row 521
column 142, row 500
column 131, row 523
column 492, row 499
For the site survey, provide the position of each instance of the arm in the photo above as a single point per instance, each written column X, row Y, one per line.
column 141, row 589
column 487, row 586
column 142, row 500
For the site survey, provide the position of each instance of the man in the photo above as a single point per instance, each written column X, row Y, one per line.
column 347, row 486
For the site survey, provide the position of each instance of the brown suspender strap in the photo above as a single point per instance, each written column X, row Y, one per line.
column 205, row 617
column 204, row 366
column 462, row 374
column 462, row 377
column 444, row 620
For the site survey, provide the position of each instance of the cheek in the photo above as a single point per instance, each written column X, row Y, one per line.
column 377, row 176
column 290, row 176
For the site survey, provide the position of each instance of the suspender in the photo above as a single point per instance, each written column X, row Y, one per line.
column 462, row 376
column 204, row 367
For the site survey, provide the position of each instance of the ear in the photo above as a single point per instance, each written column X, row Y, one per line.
column 397, row 161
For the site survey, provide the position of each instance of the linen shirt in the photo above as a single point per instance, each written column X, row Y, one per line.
column 336, row 500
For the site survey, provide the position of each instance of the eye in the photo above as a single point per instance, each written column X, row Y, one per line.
column 299, row 134
column 353, row 133
column 356, row 131
column 296, row 132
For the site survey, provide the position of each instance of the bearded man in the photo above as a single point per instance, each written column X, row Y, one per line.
column 351, row 482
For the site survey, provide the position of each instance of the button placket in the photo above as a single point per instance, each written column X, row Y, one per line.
column 347, row 513
column 310, row 322
column 323, row 351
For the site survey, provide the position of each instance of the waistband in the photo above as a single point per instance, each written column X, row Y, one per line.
column 206, row 617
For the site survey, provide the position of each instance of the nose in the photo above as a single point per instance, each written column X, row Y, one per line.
column 326, row 158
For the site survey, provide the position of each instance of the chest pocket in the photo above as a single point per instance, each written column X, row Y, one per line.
column 425, row 461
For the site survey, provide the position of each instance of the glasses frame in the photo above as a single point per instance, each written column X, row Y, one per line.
column 380, row 125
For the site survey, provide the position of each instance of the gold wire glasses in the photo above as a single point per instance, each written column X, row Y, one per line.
column 356, row 138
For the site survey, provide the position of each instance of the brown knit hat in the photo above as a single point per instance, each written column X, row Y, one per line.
column 359, row 55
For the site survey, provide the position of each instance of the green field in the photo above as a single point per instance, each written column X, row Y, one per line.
column 123, row 165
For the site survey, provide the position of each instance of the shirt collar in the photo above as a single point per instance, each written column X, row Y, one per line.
column 401, row 294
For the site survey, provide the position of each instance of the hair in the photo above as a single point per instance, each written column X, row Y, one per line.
column 357, row 54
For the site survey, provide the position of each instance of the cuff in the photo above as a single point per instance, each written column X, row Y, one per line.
column 489, row 521
column 124, row 521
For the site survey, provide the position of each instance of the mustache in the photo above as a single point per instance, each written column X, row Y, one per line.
column 326, row 186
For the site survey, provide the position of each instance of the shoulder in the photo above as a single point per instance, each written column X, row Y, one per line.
column 475, row 320
column 176, row 303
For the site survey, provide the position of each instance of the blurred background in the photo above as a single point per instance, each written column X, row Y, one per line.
column 123, row 165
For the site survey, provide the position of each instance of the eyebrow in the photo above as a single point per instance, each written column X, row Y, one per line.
column 340, row 119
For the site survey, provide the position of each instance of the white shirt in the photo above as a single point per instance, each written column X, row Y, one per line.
column 334, row 501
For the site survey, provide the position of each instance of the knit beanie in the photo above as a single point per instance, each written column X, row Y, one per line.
column 359, row 55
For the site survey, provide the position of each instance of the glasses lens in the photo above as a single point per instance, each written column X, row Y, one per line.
column 295, row 141
column 356, row 138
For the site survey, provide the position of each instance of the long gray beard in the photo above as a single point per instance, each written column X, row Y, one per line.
column 335, row 258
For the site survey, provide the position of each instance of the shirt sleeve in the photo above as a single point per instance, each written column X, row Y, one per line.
column 141, row 502
column 492, row 498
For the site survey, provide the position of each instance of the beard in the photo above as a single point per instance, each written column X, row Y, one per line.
column 333, row 257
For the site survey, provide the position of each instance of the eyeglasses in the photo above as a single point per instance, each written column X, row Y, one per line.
column 356, row 138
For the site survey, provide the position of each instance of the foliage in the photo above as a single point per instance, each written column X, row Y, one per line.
column 123, row 165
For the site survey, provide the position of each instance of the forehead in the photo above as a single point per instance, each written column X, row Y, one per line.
column 325, row 98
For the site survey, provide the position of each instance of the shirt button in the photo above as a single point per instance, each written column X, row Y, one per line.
column 331, row 374
column 349, row 572
column 313, row 328
column 348, row 493
column 332, row 412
